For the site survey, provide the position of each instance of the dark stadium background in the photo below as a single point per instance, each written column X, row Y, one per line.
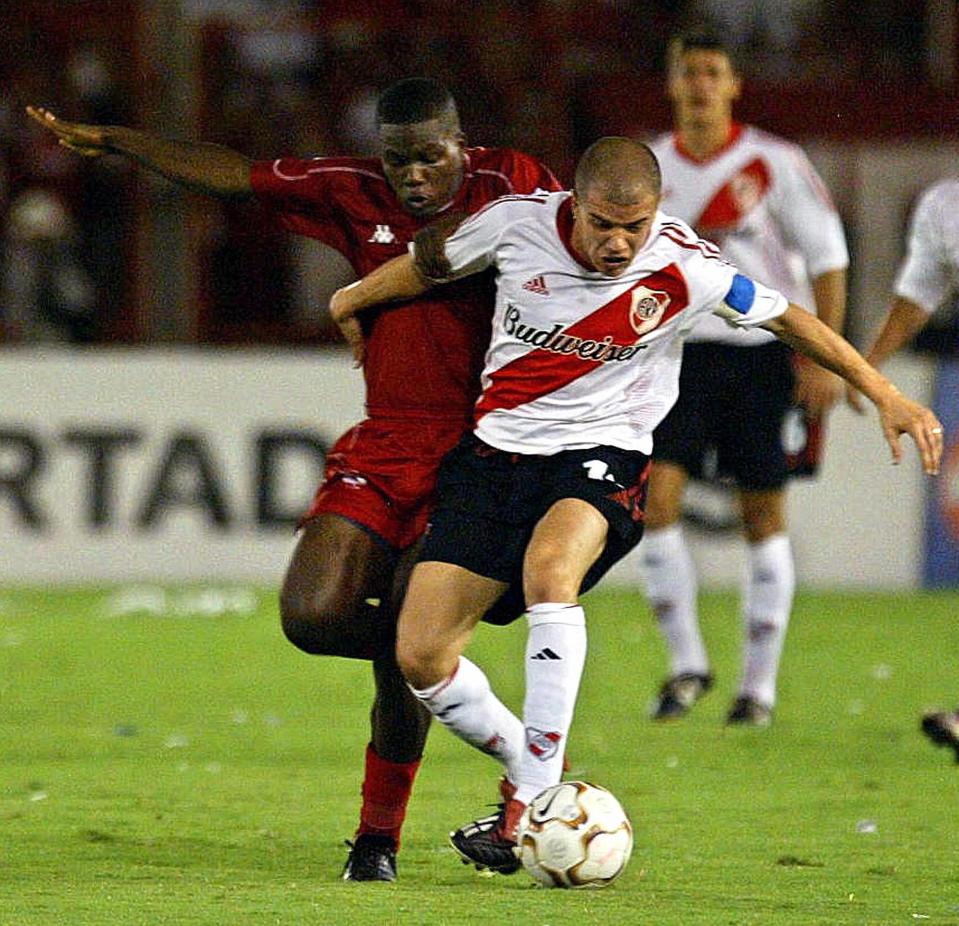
column 282, row 76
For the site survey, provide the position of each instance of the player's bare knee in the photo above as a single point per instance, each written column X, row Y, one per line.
column 549, row 578
column 664, row 497
column 308, row 624
column 418, row 663
column 299, row 629
column 763, row 514
column 663, row 508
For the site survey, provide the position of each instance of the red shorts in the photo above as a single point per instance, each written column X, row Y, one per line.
column 381, row 474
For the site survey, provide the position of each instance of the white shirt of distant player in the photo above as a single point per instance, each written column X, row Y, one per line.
column 763, row 203
column 578, row 359
column 929, row 274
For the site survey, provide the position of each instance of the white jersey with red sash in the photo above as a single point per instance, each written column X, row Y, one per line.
column 763, row 203
column 578, row 359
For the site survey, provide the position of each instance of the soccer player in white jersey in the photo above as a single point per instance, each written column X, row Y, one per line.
column 596, row 290
column 927, row 277
column 759, row 199
column 929, row 273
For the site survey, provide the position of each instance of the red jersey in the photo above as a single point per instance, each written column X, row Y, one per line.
column 423, row 358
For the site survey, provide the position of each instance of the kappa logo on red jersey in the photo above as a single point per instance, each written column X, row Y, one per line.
column 646, row 308
column 382, row 234
column 537, row 285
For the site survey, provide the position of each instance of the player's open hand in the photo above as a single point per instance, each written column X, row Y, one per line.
column 88, row 140
column 343, row 312
column 353, row 335
column 899, row 415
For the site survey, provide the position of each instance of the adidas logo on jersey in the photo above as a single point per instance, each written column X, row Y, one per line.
column 537, row 285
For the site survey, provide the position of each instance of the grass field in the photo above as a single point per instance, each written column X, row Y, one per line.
column 162, row 763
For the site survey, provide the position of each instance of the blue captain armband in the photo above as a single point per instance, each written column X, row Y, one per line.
column 749, row 303
column 742, row 295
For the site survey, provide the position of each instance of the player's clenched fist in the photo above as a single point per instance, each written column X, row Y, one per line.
column 88, row 140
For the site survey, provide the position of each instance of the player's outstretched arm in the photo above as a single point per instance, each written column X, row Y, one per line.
column 398, row 278
column 202, row 167
column 898, row 415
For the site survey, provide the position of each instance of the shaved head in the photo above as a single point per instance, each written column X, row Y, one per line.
column 620, row 170
column 615, row 200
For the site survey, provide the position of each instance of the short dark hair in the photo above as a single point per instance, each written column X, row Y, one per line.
column 622, row 168
column 698, row 38
column 414, row 99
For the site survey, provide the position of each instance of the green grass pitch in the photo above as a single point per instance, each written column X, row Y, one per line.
column 178, row 766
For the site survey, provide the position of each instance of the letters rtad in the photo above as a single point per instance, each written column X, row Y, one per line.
column 185, row 473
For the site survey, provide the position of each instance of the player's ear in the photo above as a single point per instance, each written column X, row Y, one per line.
column 669, row 85
column 737, row 86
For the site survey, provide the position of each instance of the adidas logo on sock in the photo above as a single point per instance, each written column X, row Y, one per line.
column 545, row 653
column 537, row 285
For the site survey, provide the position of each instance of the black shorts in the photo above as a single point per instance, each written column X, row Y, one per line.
column 488, row 502
column 731, row 415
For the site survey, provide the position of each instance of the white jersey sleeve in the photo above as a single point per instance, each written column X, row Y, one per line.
column 929, row 272
column 473, row 246
column 736, row 298
column 804, row 211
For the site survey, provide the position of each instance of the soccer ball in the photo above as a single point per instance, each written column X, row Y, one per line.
column 574, row 834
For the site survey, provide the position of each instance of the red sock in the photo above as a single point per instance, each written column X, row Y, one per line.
column 386, row 792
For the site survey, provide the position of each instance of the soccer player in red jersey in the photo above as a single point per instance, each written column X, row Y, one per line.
column 422, row 363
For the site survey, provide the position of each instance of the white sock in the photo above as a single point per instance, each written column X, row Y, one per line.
column 671, row 588
column 767, row 603
column 555, row 655
column 465, row 704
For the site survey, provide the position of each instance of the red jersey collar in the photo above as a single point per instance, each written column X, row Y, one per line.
column 735, row 131
column 564, row 226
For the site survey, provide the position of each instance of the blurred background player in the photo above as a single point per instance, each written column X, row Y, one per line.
column 757, row 197
column 928, row 275
column 421, row 372
column 927, row 278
